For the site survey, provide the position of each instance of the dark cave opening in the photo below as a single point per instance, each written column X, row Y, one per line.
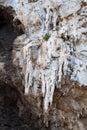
column 9, row 29
column 7, row 35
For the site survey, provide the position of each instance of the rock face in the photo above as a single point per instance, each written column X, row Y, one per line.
column 43, row 54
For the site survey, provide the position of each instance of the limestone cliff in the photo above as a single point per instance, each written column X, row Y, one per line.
column 46, row 60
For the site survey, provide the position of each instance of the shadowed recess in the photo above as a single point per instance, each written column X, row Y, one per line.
column 9, row 29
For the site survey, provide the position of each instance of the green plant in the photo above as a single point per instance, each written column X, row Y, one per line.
column 46, row 36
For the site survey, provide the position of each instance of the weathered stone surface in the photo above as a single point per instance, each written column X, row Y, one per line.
column 49, row 61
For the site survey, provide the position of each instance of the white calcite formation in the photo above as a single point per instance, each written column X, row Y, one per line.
column 47, row 62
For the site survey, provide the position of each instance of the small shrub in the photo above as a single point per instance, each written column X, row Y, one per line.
column 46, row 36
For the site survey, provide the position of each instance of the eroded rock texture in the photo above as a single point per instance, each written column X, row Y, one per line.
column 47, row 59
